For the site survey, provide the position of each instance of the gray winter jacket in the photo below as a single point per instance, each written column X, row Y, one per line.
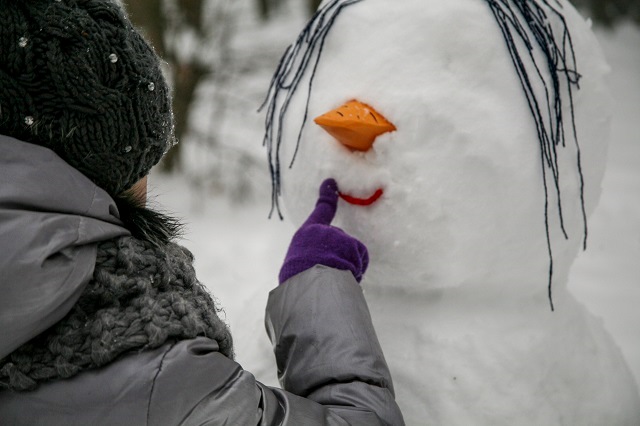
column 329, row 360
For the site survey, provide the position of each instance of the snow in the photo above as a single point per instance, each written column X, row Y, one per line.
column 606, row 278
column 441, row 101
column 238, row 253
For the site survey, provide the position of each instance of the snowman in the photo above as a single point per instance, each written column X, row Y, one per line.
column 468, row 141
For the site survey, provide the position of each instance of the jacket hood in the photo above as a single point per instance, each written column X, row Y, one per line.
column 51, row 219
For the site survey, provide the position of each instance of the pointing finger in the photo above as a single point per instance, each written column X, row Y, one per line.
column 327, row 204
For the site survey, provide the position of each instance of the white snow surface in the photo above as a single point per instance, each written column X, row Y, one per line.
column 463, row 169
column 480, row 346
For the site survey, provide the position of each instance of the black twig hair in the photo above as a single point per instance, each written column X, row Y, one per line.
column 526, row 23
column 297, row 58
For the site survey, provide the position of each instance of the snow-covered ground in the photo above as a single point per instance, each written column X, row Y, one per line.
column 238, row 250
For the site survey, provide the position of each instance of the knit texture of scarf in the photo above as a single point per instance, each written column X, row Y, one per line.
column 139, row 298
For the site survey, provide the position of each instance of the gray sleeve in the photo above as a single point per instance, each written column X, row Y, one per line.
column 196, row 385
column 329, row 361
column 327, row 350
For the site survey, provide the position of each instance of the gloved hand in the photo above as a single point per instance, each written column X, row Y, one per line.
column 319, row 243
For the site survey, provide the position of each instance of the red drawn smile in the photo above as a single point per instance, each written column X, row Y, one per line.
column 362, row 201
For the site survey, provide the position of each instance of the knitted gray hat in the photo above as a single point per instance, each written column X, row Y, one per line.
column 76, row 77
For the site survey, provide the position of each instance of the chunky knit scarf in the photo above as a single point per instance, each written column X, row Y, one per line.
column 140, row 297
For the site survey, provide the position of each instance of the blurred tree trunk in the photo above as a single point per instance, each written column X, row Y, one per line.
column 148, row 16
column 608, row 12
column 187, row 78
column 313, row 6
column 267, row 8
column 264, row 9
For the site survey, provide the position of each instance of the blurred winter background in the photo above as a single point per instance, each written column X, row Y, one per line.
column 220, row 55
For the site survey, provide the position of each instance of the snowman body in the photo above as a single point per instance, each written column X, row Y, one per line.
column 471, row 232
column 460, row 362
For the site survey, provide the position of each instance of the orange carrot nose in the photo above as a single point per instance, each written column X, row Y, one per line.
column 355, row 125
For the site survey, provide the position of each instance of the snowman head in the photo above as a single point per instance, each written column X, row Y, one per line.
column 494, row 118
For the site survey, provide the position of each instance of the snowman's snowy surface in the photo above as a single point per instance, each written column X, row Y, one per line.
column 463, row 169
column 459, row 260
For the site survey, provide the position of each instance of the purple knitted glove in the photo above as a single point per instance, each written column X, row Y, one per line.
column 319, row 243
